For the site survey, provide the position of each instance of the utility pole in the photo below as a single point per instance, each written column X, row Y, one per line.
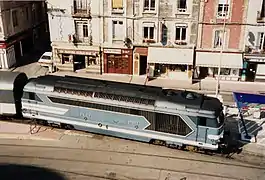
column 100, row 60
column 221, row 55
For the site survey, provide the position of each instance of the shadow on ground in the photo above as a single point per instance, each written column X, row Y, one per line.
column 26, row 172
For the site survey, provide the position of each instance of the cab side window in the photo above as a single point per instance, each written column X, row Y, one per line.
column 202, row 121
column 31, row 96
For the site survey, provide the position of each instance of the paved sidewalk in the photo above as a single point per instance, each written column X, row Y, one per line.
column 10, row 130
column 205, row 85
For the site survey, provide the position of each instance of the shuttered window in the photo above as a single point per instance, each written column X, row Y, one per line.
column 117, row 4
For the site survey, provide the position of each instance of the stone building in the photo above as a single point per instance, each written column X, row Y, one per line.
column 221, row 29
column 23, row 24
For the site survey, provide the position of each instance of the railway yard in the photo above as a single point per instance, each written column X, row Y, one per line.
column 78, row 155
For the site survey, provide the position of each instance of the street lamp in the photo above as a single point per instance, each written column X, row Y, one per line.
column 220, row 57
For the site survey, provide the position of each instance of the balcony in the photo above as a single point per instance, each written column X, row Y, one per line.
column 254, row 50
column 83, row 11
column 82, row 40
column 260, row 17
column 148, row 41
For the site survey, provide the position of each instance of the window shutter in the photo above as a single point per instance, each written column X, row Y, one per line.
column 117, row 4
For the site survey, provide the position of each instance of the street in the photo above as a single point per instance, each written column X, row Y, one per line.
column 99, row 157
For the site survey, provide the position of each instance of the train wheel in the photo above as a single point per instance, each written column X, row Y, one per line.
column 159, row 142
column 42, row 122
column 67, row 126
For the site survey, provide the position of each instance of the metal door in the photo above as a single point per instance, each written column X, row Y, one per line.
column 202, row 133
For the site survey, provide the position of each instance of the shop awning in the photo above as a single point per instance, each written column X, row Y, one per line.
column 170, row 55
column 211, row 59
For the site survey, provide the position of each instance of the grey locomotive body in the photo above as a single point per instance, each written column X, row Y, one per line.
column 124, row 110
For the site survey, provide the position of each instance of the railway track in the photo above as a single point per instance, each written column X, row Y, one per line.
column 117, row 159
column 40, row 123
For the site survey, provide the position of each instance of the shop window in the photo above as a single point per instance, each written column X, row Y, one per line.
column 66, row 58
column 118, row 30
column 181, row 68
column 218, row 39
column 149, row 5
column 227, row 71
column 182, row 6
column 181, row 33
column 223, row 9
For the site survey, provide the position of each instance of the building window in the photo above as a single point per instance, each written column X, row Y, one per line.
column 27, row 13
column 223, row 8
column 261, row 41
column 218, row 39
column 181, row 33
column 33, row 13
column 117, row 5
column 182, row 6
column 81, row 30
column 80, row 6
column 149, row 32
column 85, row 30
column 118, row 30
column 14, row 18
column 149, row 5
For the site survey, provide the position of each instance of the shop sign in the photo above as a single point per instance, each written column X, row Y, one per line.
column 257, row 60
column 65, row 51
column 112, row 51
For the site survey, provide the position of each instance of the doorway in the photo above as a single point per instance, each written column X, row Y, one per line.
column 17, row 50
column 79, row 62
column 251, row 72
column 143, row 65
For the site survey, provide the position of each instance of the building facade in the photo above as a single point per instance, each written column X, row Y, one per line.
column 254, row 55
column 221, row 29
column 137, row 37
column 76, row 34
column 22, row 25
column 164, row 37
column 117, row 45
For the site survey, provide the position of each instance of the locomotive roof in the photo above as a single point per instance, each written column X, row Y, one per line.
column 185, row 98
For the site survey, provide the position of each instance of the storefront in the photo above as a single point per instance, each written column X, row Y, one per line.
column 118, row 61
column 13, row 49
column 254, row 68
column 207, row 64
column 172, row 63
column 140, row 60
column 73, row 60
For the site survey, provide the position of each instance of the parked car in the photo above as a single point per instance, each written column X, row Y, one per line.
column 46, row 59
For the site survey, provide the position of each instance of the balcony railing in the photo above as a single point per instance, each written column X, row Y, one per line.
column 83, row 40
column 254, row 50
column 83, row 11
column 260, row 17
